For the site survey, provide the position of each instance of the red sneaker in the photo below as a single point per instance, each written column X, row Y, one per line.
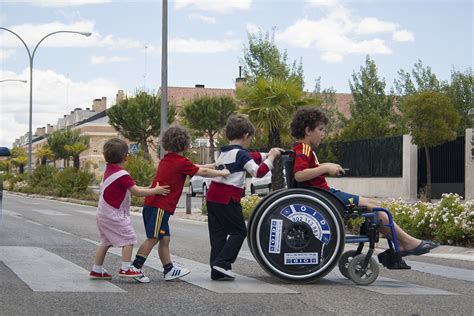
column 131, row 272
column 100, row 276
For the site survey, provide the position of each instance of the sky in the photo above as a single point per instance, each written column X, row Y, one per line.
column 206, row 41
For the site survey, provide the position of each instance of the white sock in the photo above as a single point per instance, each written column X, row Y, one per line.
column 97, row 269
column 126, row 265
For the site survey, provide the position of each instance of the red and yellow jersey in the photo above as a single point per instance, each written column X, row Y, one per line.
column 306, row 158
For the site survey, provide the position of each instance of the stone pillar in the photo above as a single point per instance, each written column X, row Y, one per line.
column 410, row 167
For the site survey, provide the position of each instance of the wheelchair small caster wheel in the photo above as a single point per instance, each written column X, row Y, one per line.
column 363, row 276
column 344, row 261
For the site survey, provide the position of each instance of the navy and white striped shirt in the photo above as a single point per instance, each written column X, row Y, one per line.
column 238, row 161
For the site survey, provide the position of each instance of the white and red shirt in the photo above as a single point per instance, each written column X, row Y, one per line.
column 238, row 161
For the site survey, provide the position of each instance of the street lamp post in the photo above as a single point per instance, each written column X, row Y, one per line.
column 31, row 57
column 18, row 80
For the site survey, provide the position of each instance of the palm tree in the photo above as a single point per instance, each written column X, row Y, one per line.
column 75, row 149
column 270, row 104
column 19, row 158
column 44, row 153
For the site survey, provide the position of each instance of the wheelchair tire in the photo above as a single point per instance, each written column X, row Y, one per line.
column 360, row 277
column 297, row 235
column 344, row 261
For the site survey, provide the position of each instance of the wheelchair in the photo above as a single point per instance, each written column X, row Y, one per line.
column 297, row 235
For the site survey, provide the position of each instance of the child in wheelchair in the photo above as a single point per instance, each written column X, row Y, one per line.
column 308, row 129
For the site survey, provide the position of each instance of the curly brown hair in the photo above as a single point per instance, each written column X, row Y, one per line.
column 115, row 150
column 237, row 126
column 307, row 117
column 176, row 139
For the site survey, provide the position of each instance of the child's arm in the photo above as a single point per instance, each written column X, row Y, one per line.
column 330, row 169
column 208, row 166
column 142, row 191
column 211, row 173
column 259, row 171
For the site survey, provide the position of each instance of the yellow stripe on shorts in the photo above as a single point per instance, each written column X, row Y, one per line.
column 159, row 218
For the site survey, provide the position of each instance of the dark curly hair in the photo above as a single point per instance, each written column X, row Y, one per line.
column 237, row 126
column 115, row 150
column 307, row 117
column 176, row 139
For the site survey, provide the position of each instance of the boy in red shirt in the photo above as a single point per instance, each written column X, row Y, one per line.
column 113, row 211
column 308, row 128
column 172, row 170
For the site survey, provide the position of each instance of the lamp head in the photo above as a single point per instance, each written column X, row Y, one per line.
column 86, row 33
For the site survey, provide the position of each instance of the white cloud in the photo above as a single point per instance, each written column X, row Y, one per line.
column 6, row 53
column 374, row 25
column 252, row 28
column 220, row 6
column 403, row 36
column 32, row 33
column 62, row 3
column 97, row 60
column 338, row 33
column 202, row 18
column 322, row 3
column 191, row 45
column 53, row 96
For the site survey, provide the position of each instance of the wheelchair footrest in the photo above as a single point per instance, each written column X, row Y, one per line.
column 392, row 260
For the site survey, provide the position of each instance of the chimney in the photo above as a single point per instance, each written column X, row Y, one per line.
column 99, row 105
column 49, row 129
column 119, row 97
column 239, row 82
column 199, row 86
column 40, row 131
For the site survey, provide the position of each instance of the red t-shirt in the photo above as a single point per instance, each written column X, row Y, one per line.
column 306, row 158
column 172, row 170
column 115, row 192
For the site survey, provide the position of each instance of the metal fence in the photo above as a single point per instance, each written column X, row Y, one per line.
column 379, row 157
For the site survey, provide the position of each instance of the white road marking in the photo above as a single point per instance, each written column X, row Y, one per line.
column 44, row 271
column 11, row 213
column 33, row 222
column 444, row 271
column 381, row 285
column 201, row 276
column 50, row 212
column 60, row 231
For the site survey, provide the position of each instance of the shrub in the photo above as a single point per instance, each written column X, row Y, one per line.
column 249, row 202
column 141, row 169
column 72, row 180
column 43, row 176
column 447, row 221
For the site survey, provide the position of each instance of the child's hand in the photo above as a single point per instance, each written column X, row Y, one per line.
column 161, row 190
column 334, row 170
column 275, row 152
column 225, row 172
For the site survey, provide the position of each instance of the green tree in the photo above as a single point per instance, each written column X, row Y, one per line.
column 138, row 118
column 208, row 115
column 372, row 112
column 460, row 91
column 432, row 121
column 60, row 141
column 421, row 79
column 328, row 105
column 268, row 104
column 263, row 59
column 44, row 153
column 19, row 158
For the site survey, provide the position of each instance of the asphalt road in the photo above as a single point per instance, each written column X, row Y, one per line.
column 47, row 249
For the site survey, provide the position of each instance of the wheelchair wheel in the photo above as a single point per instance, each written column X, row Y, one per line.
column 297, row 235
column 344, row 261
column 360, row 277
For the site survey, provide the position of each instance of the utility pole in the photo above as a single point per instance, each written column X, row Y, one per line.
column 164, row 74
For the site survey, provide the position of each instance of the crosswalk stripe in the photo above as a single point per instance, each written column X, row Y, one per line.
column 44, row 271
column 60, row 231
column 444, row 271
column 200, row 276
column 382, row 285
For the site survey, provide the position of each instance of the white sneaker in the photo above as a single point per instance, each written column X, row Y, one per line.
column 143, row 278
column 225, row 272
column 176, row 273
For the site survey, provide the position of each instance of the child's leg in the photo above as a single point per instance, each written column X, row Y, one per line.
column 127, row 253
column 100, row 254
column 405, row 240
column 164, row 250
column 143, row 252
column 217, row 235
